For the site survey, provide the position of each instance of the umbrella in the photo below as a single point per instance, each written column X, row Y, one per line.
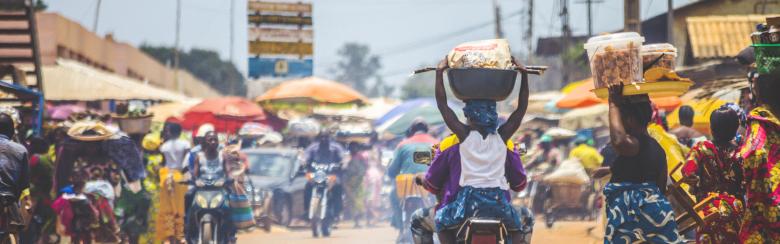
column 703, row 108
column 62, row 112
column 407, row 106
column 580, row 95
column 164, row 111
column 227, row 114
column 428, row 113
column 590, row 117
column 373, row 110
column 312, row 90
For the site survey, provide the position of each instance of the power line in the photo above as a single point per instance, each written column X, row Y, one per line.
column 404, row 48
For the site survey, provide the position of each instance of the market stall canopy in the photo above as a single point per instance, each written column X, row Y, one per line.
column 537, row 102
column 312, row 90
column 428, row 113
column 702, row 108
column 227, row 114
column 584, row 118
column 579, row 95
column 163, row 111
column 407, row 106
column 72, row 81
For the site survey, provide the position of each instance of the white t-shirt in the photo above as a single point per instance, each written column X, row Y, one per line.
column 174, row 152
column 483, row 161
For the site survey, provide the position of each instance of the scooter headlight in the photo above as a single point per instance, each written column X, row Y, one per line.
column 320, row 177
column 216, row 201
column 219, row 183
column 201, row 201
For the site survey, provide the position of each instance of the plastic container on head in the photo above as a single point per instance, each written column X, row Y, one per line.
column 481, row 83
column 662, row 55
column 615, row 58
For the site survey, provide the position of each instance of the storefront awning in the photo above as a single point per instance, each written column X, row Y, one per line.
column 72, row 81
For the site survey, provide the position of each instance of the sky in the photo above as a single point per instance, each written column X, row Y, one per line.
column 406, row 34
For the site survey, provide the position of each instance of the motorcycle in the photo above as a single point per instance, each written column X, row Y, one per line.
column 483, row 230
column 323, row 178
column 207, row 211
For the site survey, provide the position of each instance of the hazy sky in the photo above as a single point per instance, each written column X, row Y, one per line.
column 406, row 33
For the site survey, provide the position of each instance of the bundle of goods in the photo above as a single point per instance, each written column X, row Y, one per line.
column 615, row 58
column 621, row 59
column 766, row 42
column 569, row 172
column 355, row 132
column 662, row 55
column 484, row 70
column 306, row 127
column 133, row 120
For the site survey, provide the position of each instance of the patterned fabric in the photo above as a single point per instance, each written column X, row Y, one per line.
column 761, row 156
column 478, row 202
column 720, row 175
column 638, row 212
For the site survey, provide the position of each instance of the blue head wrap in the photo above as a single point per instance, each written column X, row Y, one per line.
column 482, row 113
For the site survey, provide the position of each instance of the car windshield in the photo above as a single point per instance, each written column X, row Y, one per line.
column 270, row 164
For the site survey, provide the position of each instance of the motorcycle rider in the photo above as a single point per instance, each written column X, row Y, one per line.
column 474, row 174
column 324, row 151
column 14, row 171
column 417, row 139
column 210, row 161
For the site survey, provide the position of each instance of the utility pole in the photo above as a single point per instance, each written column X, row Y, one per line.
column 631, row 21
column 565, row 39
column 97, row 16
column 670, row 21
column 529, row 34
column 589, row 4
column 176, row 47
column 497, row 12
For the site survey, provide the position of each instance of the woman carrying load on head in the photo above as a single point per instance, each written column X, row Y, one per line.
column 637, row 210
column 472, row 175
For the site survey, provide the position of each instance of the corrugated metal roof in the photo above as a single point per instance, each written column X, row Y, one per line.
column 721, row 36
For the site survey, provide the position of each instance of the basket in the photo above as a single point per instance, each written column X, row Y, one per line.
column 138, row 125
column 767, row 57
column 481, row 83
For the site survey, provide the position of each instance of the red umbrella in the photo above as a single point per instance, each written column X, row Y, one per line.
column 227, row 114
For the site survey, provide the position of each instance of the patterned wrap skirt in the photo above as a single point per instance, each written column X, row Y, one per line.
column 638, row 212
column 478, row 202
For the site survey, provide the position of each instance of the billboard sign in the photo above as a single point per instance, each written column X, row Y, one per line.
column 281, row 39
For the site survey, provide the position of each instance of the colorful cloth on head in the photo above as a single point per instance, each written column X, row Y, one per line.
column 761, row 166
column 638, row 212
column 720, row 175
column 482, row 113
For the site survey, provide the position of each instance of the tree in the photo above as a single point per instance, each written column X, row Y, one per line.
column 205, row 65
column 380, row 88
column 357, row 66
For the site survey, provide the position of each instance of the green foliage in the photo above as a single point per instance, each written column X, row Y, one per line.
column 357, row 66
column 577, row 57
column 380, row 88
column 205, row 65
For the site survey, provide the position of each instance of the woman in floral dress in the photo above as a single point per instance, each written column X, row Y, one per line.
column 713, row 169
column 761, row 156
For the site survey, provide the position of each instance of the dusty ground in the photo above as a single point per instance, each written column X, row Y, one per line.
column 562, row 232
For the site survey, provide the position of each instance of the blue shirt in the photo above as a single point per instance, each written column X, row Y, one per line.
column 14, row 167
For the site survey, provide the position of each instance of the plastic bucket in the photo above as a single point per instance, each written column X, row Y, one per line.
column 662, row 55
column 767, row 57
column 481, row 83
column 615, row 58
